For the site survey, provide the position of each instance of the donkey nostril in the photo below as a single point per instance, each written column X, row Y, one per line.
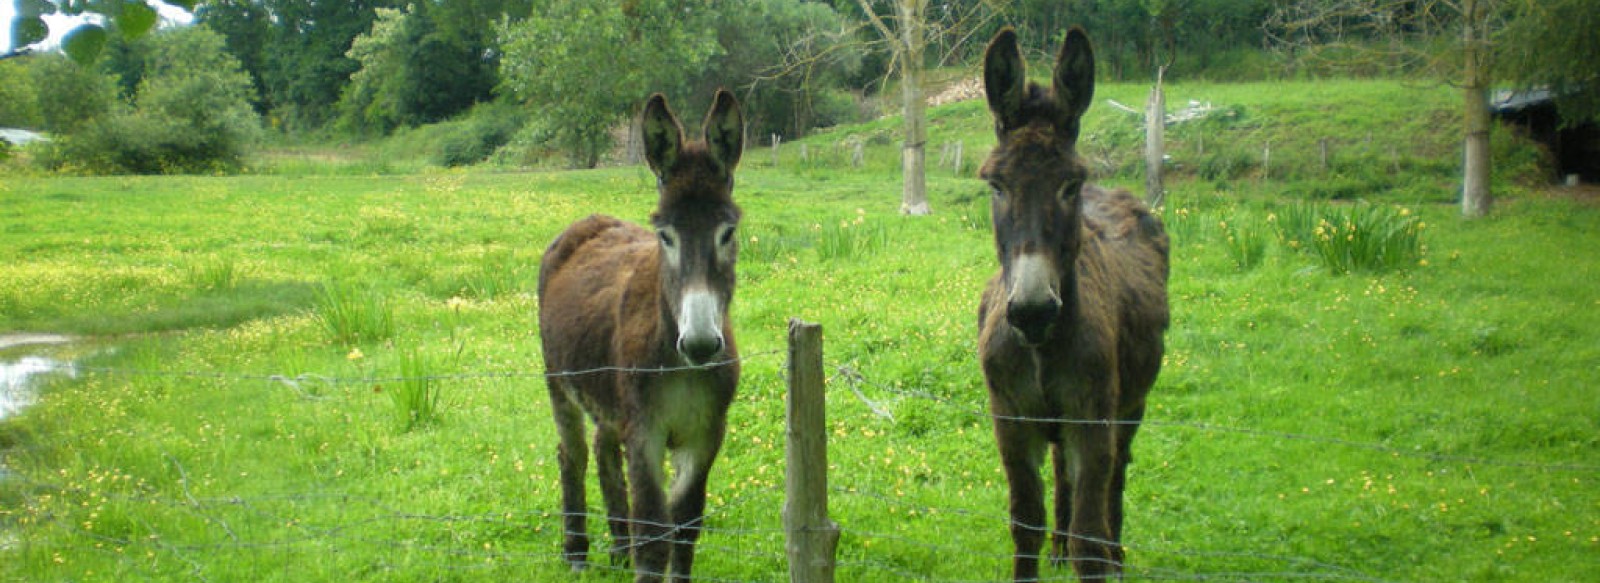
column 1033, row 319
column 699, row 350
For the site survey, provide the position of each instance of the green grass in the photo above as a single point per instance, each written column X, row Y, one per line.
column 1435, row 422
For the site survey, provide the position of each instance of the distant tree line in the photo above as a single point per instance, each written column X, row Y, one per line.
column 565, row 75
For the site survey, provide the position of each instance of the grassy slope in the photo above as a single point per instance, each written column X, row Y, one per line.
column 1415, row 425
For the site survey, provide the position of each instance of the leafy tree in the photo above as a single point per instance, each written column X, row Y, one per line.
column 19, row 96
column 246, row 27
column 191, row 113
column 371, row 100
column 423, row 64
column 1553, row 44
column 294, row 51
column 580, row 67
column 1451, row 40
column 76, row 95
column 789, row 59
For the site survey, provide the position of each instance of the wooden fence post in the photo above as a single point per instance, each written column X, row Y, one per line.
column 812, row 537
column 1155, row 149
column 776, row 141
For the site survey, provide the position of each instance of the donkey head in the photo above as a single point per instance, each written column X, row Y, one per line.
column 695, row 221
column 1036, row 177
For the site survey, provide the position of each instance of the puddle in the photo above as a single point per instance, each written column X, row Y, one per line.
column 16, row 392
column 19, row 369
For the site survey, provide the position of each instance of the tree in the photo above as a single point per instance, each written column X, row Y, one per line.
column 423, row 64
column 907, row 34
column 580, row 67
column 1407, row 35
column 70, row 95
column 789, row 57
column 19, row 96
column 246, row 27
column 305, row 66
column 1552, row 44
column 190, row 113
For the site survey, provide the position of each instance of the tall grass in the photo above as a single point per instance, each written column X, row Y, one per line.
column 352, row 315
column 415, row 393
column 1353, row 238
column 851, row 238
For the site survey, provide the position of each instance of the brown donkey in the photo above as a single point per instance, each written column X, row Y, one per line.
column 635, row 330
column 1070, row 331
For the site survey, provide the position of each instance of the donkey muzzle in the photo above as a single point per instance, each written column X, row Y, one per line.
column 700, row 327
column 1033, row 303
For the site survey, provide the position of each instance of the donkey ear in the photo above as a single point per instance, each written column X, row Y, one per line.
column 663, row 136
column 725, row 130
column 1005, row 79
column 1074, row 77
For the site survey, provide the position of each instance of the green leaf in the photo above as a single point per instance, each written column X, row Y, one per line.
column 84, row 43
column 186, row 5
column 135, row 18
column 27, row 30
column 34, row 8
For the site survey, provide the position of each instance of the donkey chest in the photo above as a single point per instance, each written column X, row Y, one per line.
column 1050, row 384
column 686, row 407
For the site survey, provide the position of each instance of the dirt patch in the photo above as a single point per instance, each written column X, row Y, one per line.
column 959, row 91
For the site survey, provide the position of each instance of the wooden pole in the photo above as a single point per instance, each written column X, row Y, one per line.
column 812, row 537
column 1266, row 161
column 1155, row 122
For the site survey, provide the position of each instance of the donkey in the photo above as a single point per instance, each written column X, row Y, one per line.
column 1070, row 330
column 635, row 333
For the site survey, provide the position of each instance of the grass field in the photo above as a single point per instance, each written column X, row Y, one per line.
column 330, row 372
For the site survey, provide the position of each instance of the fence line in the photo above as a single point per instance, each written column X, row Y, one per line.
column 294, row 381
column 1005, row 519
column 856, row 378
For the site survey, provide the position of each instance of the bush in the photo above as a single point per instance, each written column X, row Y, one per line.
column 484, row 131
column 192, row 114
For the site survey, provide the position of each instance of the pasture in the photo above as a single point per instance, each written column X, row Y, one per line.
column 322, row 372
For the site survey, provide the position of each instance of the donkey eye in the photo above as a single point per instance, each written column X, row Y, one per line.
column 1070, row 189
column 726, row 238
column 667, row 240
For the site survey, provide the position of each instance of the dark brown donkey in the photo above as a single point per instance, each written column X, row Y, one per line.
column 635, row 331
column 1070, row 331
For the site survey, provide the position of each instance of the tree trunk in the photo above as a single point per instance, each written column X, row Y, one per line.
column 1475, row 194
column 914, row 196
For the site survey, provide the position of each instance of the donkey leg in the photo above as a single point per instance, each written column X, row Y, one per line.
column 1094, row 554
column 573, row 457
column 614, row 490
column 691, row 469
column 1063, row 505
column 651, row 526
column 1020, row 453
column 1119, row 480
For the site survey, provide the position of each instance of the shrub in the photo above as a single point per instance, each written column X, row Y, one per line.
column 192, row 114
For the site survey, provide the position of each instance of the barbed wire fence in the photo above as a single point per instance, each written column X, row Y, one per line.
column 742, row 526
